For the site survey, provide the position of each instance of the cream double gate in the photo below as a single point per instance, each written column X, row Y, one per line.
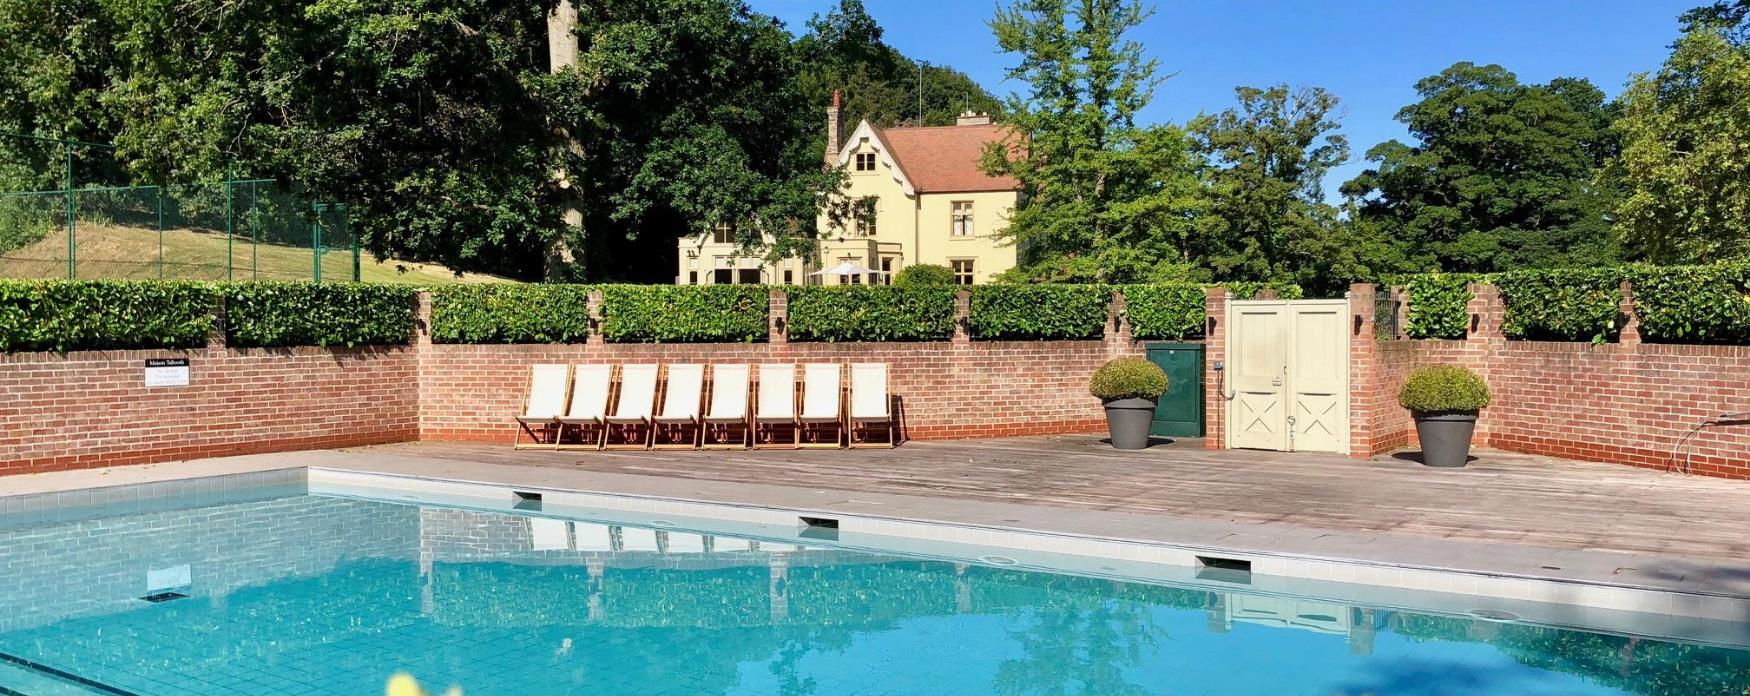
column 1288, row 375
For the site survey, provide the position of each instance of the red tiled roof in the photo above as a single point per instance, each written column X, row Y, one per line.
column 944, row 159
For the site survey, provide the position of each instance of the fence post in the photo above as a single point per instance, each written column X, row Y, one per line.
column 1363, row 375
column 316, row 241
column 160, row 190
column 422, row 319
column 1631, row 324
column 72, row 245
column 1401, row 304
column 230, row 231
column 1214, row 351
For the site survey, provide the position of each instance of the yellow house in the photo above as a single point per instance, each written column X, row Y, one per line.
column 931, row 204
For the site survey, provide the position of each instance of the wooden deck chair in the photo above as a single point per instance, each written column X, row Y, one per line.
column 870, row 406
column 728, row 411
column 680, row 409
column 776, row 406
column 590, row 386
column 542, row 405
column 632, row 411
column 822, row 406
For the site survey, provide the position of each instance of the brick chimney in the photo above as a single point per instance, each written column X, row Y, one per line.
column 968, row 118
column 834, row 133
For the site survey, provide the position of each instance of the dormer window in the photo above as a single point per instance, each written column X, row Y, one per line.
column 865, row 161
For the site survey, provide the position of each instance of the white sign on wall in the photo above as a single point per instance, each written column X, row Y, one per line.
column 167, row 372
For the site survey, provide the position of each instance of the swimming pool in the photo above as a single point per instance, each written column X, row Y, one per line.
column 251, row 585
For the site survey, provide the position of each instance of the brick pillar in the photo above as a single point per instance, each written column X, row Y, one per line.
column 1631, row 317
column 1363, row 370
column 962, row 316
column 422, row 319
column 1214, row 351
column 1483, row 341
column 595, row 319
column 1117, row 333
column 778, row 317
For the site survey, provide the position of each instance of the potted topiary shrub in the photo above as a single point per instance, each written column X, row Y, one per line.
column 1444, row 399
column 1128, row 387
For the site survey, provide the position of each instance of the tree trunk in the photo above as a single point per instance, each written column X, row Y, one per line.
column 562, row 55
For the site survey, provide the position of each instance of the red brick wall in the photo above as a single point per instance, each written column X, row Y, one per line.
column 1626, row 403
column 87, row 409
column 946, row 389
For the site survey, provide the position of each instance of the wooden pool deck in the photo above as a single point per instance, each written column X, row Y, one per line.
column 1500, row 498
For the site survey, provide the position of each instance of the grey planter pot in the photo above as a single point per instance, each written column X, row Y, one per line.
column 1446, row 437
column 1128, row 421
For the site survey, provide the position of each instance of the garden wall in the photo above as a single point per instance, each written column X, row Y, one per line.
column 91, row 408
column 1627, row 402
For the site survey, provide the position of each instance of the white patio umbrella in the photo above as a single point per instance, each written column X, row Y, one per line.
column 845, row 268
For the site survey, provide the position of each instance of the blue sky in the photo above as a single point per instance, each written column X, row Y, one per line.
column 1368, row 52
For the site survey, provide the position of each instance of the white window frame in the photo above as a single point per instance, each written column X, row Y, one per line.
column 960, row 223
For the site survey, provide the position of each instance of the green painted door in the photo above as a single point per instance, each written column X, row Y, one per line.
column 1180, row 411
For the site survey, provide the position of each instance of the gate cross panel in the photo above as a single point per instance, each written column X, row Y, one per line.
column 1288, row 375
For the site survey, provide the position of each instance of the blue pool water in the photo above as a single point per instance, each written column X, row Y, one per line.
column 299, row 594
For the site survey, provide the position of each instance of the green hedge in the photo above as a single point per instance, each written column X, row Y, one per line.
column 871, row 313
column 1693, row 304
column 274, row 314
column 1026, row 312
column 1568, row 304
column 103, row 314
column 684, row 313
column 510, row 313
column 1439, row 303
column 1246, row 289
column 1164, row 311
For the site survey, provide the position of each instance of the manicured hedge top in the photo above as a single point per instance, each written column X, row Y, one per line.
column 103, row 314
column 871, row 313
column 1569, row 304
column 684, row 313
column 1027, row 312
column 510, row 313
column 1176, row 310
column 1439, row 304
column 273, row 314
column 1693, row 304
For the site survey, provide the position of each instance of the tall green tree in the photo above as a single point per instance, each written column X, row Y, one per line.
column 1500, row 175
column 1100, row 195
column 1685, row 166
column 844, row 51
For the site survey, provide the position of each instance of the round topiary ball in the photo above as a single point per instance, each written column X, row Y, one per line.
column 1128, row 378
column 1443, row 389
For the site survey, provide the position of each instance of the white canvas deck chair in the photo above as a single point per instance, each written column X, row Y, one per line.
column 871, row 406
column 680, row 409
column 590, row 387
column 631, row 417
column 822, row 406
column 776, row 406
column 542, row 405
column 729, row 408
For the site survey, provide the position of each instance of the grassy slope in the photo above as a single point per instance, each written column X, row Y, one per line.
column 108, row 251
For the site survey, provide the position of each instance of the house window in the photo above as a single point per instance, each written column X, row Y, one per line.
column 723, row 276
column 723, row 234
column 788, row 278
column 963, row 271
column 692, row 277
column 865, row 161
column 748, row 276
column 961, row 225
column 866, row 217
column 887, row 270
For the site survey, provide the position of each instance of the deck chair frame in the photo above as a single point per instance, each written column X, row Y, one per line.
column 767, row 426
column 600, row 423
column 647, row 421
column 853, row 422
column 659, row 427
column 806, row 426
column 720, row 426
column 552, row 425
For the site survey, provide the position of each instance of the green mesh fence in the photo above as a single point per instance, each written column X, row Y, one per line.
column 90, row 222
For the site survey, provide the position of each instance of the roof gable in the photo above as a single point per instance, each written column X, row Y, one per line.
column 936, row 159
